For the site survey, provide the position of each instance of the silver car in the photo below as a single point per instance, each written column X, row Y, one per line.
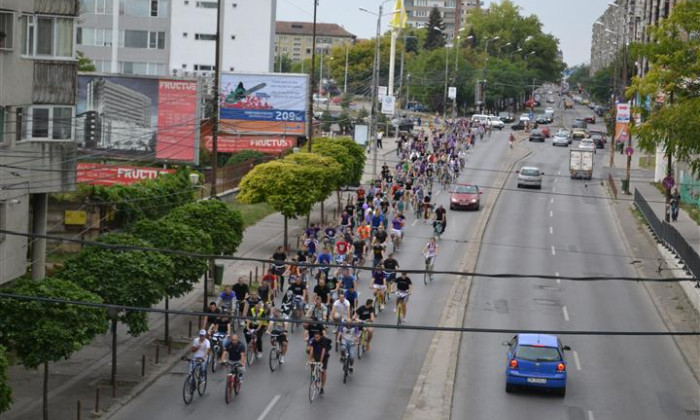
column 530, row 176
column 560, row 139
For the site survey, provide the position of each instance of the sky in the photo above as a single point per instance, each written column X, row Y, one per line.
column 568, row 20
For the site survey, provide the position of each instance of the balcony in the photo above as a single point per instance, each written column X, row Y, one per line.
column 55, row 82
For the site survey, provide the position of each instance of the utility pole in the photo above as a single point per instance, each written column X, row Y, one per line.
column 375, row 88
column 310, row 118
column 215, row 105
column 347, row 55
column 444, row 99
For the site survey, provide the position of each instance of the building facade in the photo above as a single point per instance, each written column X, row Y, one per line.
column 295, row 39
column 176, row 37
column 38, row 88
column 454, row 13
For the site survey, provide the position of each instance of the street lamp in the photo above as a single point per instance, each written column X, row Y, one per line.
column 514, row 52
column 499, row 49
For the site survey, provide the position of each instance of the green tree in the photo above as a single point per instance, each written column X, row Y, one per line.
column 167, row 234
column 222, row 223
column 285, row 66
column 435, row 38
column 244, row 155
column 84, row 63
column 326, row 121
column 673, row 78
column 45, row 332
column 580, row 75
column 5, row 389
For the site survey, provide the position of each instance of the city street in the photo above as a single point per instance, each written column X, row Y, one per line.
column 549, row 232
column 383, row 379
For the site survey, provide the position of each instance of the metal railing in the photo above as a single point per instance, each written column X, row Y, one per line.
column 669, row 236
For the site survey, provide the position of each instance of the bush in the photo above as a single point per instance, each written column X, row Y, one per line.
column 245, row 155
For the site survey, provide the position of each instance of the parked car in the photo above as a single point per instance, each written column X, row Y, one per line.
column 506, row 117
column 538, row 361
column 530, row 176
column 465, row 196
column 590, row 119
column 537, row 135
column 520, row 125
column 560, row 139
column 496, row 122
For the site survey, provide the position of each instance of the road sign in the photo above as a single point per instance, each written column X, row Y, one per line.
column 623, row 113
column 388, row 105
column 452, row 92
column 668, row 182
column 629, row 151
column 381, row 92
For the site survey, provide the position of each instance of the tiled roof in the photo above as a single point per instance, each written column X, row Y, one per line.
column 306, row 28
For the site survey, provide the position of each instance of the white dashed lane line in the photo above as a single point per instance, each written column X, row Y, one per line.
column 566, row 313
column 590, row 415
column 551, row 230
column 554, row 251
column 577, row 362
column 269, row 407
column 558, row 280
column 551, row 213
column 551, row 200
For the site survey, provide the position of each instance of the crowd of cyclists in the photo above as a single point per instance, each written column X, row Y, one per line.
column 321, row 282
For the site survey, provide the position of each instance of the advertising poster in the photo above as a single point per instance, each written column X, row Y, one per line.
column 232, row 144
column 138, row 116
column 100, row 174
column 264, row 103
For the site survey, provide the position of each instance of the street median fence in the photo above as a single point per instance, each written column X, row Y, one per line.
column 669, row 236
column 228, row 177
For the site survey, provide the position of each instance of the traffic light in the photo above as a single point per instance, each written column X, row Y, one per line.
column 91, row 129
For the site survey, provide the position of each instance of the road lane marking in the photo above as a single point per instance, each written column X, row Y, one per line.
column 577, row 362
column 555, row 180
column 269, row 407
column 566, row 313
column 551, row 230
column 437, row 193
column 414, row 222
column 551, row 200
column 558, row 280
column 559, row 173
column 590, row 415
column 554, row 252
column 551, row 213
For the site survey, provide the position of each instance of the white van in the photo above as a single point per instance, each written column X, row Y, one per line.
column 494, row 122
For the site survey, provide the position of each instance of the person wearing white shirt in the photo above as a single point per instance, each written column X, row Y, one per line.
column 200, row 349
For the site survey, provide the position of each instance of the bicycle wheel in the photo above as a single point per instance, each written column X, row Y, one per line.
column 214, row 359
column 201, row 385
column 188, row 389
column 346, row 369
column 228, row 394
column 274, row 359
column 251, row 353
column 377, row 304
column 312, row 388
column 361, row 345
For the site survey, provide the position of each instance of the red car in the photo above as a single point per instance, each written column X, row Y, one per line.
column 465, row 196
column 590, row 119
column 546, row 132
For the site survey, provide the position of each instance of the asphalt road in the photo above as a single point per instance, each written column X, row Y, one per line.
column 383, row 379
column 548, row 232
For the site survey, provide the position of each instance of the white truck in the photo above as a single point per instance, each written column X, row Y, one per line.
column 581, row 164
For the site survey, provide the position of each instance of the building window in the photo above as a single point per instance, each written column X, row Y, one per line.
column 207, row 4
column 6, row 33
column 47, row 37
column 95, row 37
column 98, row 7
column 49, row 123
column 205, row 37
column 152, row 69
column 144, row 39
column 204, row 67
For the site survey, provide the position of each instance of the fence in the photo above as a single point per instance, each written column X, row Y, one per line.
column 228, row 177
column 690, row 190
column 669, row 236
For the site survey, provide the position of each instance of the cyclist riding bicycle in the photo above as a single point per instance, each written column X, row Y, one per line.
column 390, row 265
column 298, row 289
column 348, row 339
column 278, row 259
column 430, row 251
column 342, row 247
column 319, row 351
column 227, row 300
column 278, row 332
column 379, row 284
column 341, row 309
column 366, row 314
column 345, row 278
column 324, row 260
column 234, row 353
column 210, row 320
column 403, row 290
column 256, row 326
column 200, row 349
column 351, row 295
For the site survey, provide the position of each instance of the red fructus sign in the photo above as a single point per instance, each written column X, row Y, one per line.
column 99, row 174
column 177, row 113
column 227, row 144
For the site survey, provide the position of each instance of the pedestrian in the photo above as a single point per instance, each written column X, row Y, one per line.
column 380, row 136
column 675, row 204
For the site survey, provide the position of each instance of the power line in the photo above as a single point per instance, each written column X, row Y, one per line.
column 117, row 247
column 360, row 324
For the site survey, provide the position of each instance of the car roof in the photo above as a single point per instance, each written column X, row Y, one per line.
column 541, row 339
column 530, row 167
column 466, row 185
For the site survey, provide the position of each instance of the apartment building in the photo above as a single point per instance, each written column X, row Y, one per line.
column 454, row 13
column 38, row 76
column 176, row 37
column 295, row 39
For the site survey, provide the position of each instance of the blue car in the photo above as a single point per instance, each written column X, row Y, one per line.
column 536, row 361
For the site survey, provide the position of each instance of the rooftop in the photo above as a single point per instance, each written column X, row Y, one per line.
column 306, row 28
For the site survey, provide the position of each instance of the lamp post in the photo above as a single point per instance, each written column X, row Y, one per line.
column 310, row 113
column 499, row 48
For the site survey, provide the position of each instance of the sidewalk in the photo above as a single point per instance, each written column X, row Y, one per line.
column 77, row 381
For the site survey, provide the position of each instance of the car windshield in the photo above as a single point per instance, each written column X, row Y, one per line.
column 538, row 354
column 503, row 114
column 466, row 189
column 530, row 172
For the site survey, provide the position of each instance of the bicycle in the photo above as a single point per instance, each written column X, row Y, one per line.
column 379, row 300
column 252, row 349
column 275, row 352
column 233, row 381
column 400, row 307
column 194, row 381
column 438, row 229
column 428, row 273
column 362, row 343
column 396, row 241
column 216, row 350
column 345, row 359
column 315, row 379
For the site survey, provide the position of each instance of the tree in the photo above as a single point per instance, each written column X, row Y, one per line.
column 326, row 121
column 435, row 38
column 44, row 332
column 327, row 173
column 167, row 234
column 580, row 75
column 674, row 81
column 222, row 223
column 5, row 389
column 286, row 65
column 287, row 187
column 84, row 63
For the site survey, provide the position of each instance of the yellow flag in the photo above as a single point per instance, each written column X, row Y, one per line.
column 399, row 18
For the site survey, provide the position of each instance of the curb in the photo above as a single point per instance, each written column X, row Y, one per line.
column 433, row 392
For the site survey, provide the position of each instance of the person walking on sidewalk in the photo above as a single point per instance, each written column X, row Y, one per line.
column 380, row 136
column 675, row 204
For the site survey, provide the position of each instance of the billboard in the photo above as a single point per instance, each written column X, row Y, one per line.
column 623, row 113
column 100, row 174
column 264, row 103
column 142, row 116
column 265, row 144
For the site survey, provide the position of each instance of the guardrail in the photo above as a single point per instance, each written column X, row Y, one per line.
column 669, row 236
